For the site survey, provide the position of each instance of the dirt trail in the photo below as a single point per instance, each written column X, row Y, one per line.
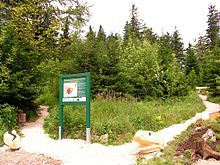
column 35, row 129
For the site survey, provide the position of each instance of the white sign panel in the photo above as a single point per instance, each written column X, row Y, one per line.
column 70, row 90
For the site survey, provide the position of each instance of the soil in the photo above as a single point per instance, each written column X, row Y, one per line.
column 197, row 133
column 20, row 157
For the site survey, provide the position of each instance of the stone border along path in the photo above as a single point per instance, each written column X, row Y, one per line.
column 78, row 152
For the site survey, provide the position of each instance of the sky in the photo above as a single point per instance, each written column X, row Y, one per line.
column 188, row 16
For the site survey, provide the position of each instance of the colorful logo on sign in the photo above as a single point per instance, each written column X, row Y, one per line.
column 70, row 89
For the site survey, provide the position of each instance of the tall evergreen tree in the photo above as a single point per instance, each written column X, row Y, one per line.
column 102, row 58
column 149, row 35
column 134, row 28
column 191, row 61
column 127, row 32
column 101, row 36
column 165, row 50
column 213, row 30
column 213, row 58
column 201, row 49
column 111, row 65
column 177, row 47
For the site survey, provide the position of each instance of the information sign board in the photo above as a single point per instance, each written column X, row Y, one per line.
column 75, row 89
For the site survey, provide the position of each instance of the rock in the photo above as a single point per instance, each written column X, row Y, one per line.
column 214, row 116
column 198, row 128
column 209, row 136
column 212, row 159
column 12, row 140
column 104, row 138
column 148, row 141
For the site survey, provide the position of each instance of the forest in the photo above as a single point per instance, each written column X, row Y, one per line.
column 42, row 39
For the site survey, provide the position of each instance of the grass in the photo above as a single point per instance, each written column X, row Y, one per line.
column 120, row 119
column 214, row 99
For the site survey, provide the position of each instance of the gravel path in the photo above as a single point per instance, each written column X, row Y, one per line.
column 74, row 151
column 78, row 152
column 169, row 133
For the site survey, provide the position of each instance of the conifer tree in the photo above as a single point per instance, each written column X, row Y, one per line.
column 177, row 47
column 165, row 50
column 134, row 28
column 213, row 58
column 149, row 35
column 213, row 27
column 191, row 61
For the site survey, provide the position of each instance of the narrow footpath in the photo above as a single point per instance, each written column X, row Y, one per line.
column 71, row 151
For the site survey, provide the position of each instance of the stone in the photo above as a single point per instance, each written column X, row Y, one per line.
column 12, row 140
column 104, row 138
column 148, row 141
column 209, row 136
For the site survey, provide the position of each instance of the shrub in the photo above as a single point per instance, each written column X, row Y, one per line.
column 8, row 119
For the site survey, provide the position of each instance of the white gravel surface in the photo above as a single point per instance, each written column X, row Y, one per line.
column 75, row 151
column 78, row 152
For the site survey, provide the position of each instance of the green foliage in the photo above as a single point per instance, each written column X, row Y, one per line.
column 8, row 119
column 51, row 123
column 177, row 47
column 191, row 61
column 120, row 119
column 28, row 38
column 218, row 147
column 133, row 29
column 192, row 79
column 217, row 135
column 141, row 161
column 141, row 66
column 187, row 156
column 213, row 27
column 50, row 91
column 214, row 99
column 210, row 62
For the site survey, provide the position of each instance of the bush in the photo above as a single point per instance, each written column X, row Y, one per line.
column 74, row 124
column 8, row 119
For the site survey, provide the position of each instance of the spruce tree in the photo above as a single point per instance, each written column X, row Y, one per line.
column 213, row 58
column 100, row 52
column 165, row 50
column 191, row 61
column 134, row 28
column 177, row 47
column 213, row 27
column 149, row 35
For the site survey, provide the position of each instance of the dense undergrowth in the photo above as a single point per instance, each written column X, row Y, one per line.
column 120, row 119
column 214, row 99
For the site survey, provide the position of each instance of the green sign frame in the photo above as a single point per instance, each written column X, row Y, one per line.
column 75, row 89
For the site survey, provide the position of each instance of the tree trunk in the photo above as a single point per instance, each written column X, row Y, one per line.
column 204, row 150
